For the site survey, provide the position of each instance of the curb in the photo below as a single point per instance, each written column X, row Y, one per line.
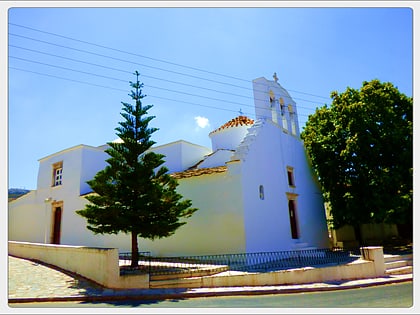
column 165, row 296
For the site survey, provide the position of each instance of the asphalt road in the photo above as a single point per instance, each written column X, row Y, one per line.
column 383, row 296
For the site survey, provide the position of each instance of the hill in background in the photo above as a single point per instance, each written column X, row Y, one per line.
column 16, row 193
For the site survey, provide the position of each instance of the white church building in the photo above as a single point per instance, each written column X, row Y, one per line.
column 254, row 189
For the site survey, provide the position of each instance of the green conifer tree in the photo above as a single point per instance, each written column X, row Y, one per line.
column 134, row 193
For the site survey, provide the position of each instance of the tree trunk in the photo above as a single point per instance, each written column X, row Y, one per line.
column 358, row 234
column 134, row 250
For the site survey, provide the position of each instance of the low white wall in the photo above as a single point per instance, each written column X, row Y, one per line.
column 97, row 264
column 371, row 265
column 101, row 265
column 376, row 255
column 360, row 269
column 356, row 270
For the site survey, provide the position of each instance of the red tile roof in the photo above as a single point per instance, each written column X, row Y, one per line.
column 235, row 122
column 199, row 172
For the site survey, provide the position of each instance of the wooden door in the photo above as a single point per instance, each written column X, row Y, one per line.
column 56, row 226
column 293, row 220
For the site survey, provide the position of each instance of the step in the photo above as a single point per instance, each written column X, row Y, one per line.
column 399, row 270
column 396, row 264
column 389, row 258
column 189, row 274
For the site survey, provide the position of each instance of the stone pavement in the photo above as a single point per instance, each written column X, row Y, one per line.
column 30, row 281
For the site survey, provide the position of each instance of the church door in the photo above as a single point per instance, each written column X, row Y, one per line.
column 57, row 225
column 293, row 220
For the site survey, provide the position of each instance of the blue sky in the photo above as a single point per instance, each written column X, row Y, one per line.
column 69, row 68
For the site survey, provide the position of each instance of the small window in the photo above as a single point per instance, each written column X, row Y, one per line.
column 57, row 174
column 290, row 176
column 261, row 192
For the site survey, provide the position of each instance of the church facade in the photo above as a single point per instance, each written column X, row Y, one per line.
column 254, row 189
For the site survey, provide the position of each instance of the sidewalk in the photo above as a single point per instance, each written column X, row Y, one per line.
column 33, row 282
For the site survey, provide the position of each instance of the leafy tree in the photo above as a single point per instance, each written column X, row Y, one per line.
column 362, row 151
column 134, row 193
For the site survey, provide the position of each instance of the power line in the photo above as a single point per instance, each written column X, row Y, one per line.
column 130, row 53
column 154, row 59
column 65, row 68
column 120, row 80
column 124, row 90
column 166, row 80
column 125, row 71
column 131, row 62
column 147, row 57
column 111, row 78
column 72, row 80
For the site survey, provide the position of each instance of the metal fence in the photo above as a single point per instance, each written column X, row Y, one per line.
column 246, row 262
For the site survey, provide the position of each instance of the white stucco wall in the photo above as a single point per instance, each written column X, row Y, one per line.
column 228, row 138
column 72, row 228
column 217, row 158
column 92, row 161
column 180, row 155
column 30, row 217
column 217, row 227
column 26, row 218
column 231, row 217
column 267, row 221
column 31, row 210
column 266, row 224
column 271, row 111
column 266, row 153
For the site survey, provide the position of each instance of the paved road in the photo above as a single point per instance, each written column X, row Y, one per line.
column 28, row 279
column 384, row 296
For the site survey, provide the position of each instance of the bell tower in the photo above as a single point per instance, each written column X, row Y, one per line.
column 272, row 102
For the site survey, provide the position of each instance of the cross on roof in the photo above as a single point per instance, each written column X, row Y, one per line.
column 275, row 77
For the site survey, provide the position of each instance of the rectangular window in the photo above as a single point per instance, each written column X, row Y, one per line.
column 290, row 177
column 57, row 174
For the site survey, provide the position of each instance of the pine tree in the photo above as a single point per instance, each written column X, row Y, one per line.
column 134, row 193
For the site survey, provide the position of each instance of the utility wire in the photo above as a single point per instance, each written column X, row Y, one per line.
column 116, row 69
column 132, row 62
column 123, row 90
column 120, row 80
column 129, row 53
column 150, row 58
column 126, row 61
column 155, row 59
column 125, row 71
column 151, row 95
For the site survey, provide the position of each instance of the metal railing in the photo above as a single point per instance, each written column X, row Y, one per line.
column 246, row 262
